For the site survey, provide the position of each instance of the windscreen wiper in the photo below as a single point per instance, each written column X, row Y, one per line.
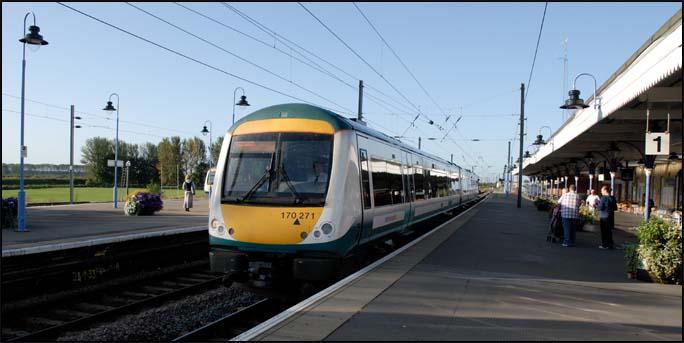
column 266, row 176
column 297, row 196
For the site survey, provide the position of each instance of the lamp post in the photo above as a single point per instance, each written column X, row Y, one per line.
column 574, row 102
column 204, row 132
column 243, row 101
column 35, row 39
column 71, row 155
column 110, row 109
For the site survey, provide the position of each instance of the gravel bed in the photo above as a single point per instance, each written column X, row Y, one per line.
column 171, row 320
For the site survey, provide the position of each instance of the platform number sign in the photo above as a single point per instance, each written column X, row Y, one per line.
column 658, row 143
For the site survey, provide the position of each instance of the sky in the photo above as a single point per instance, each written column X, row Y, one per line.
column 470, row 58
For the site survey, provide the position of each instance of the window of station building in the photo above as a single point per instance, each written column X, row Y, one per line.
column 387, row 183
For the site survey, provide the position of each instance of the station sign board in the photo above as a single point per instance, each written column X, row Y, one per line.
column 657, row 143
column 110, row 163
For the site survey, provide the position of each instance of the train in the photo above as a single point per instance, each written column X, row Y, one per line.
column 300, row 192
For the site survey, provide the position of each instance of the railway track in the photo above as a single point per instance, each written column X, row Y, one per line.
column 47, row 321
column 236, row 323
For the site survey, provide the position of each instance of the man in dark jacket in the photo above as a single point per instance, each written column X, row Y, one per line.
column 607, row 206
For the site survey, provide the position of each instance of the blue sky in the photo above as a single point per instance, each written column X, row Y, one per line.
column 471, row 58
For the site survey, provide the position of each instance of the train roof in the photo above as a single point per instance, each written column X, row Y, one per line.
column 337, row 121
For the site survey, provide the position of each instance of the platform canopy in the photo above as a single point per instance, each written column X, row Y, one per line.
column 650, row 81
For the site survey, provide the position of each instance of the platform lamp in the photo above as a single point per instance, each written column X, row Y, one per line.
column 576, row 171
column 613, row 152
column 35, row 40
column 575, row 102
column 204, row 132
column 540, row 138
column 242, row 103
column 591, row 166
column 110, row 109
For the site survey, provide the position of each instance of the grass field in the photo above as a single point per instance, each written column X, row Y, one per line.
column 85, row 194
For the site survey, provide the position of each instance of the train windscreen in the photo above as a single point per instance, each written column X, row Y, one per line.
column 284, row 168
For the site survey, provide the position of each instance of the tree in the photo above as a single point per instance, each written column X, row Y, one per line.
column 194, row 152
column 96, row 152
column 169, row 156
column 216, row 150
column 143, row 170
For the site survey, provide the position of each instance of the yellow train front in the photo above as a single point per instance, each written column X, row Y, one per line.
column 299, row 191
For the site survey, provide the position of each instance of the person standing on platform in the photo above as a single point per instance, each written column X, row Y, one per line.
column 607, row 207
column 593, row 200
column 189, row 189
column 569, row 204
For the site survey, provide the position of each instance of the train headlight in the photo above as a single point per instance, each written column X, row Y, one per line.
column 317, row 234
column 215, row 223
column 327, row 228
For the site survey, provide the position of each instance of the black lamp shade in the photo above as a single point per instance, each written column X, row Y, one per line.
column 539, row 140
column 527, row 154
column 33, row 37
column 205, row 131
column 243, row 101
column 574, row 102
column 109, row 107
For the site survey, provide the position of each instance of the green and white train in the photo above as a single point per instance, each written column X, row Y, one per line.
column 299, row 191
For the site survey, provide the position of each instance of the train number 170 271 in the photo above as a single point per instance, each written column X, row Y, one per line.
column 297, row 215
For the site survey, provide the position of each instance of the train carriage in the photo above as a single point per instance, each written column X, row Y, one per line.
column 301, row 190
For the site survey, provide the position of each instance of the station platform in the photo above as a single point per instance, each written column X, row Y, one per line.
column 490, row 274
column 73, row 226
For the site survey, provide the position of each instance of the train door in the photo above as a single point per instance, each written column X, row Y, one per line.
column 366, row 187
column 409, row 190
column 460, row 185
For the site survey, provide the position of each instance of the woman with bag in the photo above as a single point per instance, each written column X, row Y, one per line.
column 189, row 189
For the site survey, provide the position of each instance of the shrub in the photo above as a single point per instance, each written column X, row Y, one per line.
column 586, row 215
column 143, row 203
column 631, row 258
column 153, row 188
column 9, row 213
column 543, row 204
column 660, row 244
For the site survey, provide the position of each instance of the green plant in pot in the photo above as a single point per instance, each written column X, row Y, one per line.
column 660, row 245
column 631, row 259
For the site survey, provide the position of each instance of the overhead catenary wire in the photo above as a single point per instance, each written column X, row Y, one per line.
column 541, row 28
column 362, row 59
column 285, row 41
column 101, row 117
column 312, row 64
column 400, row 60
column 349, row 111
column 309, row 62
column 192, row 58
column 80, row 123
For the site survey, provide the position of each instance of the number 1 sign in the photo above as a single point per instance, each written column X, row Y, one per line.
column 658, row 143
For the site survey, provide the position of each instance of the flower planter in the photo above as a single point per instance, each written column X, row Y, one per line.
column 143, row 204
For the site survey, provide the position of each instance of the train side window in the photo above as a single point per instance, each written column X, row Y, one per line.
column 418, row 183
column 382, row 192
column 365, row 183
column 426, row 184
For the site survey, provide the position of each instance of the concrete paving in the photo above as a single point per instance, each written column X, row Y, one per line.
column 60, row 224
column 493, row 276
